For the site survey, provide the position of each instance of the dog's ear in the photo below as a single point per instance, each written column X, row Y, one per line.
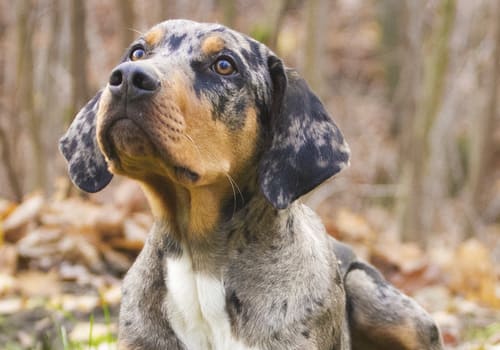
column 305, row 146
column 86, row 164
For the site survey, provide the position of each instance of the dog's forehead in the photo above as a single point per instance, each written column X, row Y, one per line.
column 192, row 39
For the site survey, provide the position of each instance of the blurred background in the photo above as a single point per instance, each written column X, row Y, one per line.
column 413, row 84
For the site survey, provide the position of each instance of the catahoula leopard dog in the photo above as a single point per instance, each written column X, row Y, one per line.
column 223, row 139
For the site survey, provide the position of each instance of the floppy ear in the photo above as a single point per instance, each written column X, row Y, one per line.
column 305, row 148
column 86, row 164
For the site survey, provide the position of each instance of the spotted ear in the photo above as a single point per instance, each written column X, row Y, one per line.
column 86, row 165
column 305, row 146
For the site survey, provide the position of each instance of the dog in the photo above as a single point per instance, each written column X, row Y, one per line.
column 223, row 139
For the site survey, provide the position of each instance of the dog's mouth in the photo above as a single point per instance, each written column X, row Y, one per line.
column 132, row 151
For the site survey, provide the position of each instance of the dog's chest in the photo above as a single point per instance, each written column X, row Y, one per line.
column 196, row 308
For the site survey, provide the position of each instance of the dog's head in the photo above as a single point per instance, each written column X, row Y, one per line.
column 196, row 105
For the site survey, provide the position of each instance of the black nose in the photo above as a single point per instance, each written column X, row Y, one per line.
column 132, row 81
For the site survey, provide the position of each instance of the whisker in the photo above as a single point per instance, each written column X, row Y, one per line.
column 236, row 185
column 194, row 144
column 136, row 31
column 234, row 193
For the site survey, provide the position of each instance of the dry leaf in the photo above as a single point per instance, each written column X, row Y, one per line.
column 473, row 273
column 128, row 245
column 8, row 259
column 38, row 284
column 109, row 221
column 6, row 208
column 7, row 284
column 74, row 212
column 39, row 243
column 72, row 303
column 353, row 228
column 10, row 306
column 21, row 216
column 405, row 257
column 133, row 231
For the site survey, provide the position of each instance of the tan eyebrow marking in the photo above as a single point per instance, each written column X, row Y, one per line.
column 154, row 36
column 212, row 44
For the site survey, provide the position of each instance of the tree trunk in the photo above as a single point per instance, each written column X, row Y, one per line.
column 48, row 87
column 8, row 163
column 79, row 58
column 418, row 204
column 164, row 11
column 278, row 13
column 228, row 12
column 481, row 148
column 394, row 23
column 25, row 77
column 127, row 17
column 315, row 43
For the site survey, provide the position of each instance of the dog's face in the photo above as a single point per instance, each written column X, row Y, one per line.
column 196, row 106
column 196, row 123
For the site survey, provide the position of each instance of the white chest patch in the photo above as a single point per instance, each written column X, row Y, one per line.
column 196, row 305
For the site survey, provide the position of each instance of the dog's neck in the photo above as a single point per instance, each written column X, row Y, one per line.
column 256, row 224
column 204, row 212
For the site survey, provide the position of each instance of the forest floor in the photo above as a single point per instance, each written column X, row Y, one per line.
column 62, row 260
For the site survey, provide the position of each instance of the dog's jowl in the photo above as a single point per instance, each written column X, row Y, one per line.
column 224, row 139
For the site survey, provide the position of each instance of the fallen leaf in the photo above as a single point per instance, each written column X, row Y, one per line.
column 128, row 245
column 473, row 273
column 353, row 228
column 73, row 303
column 6, row 208
column 38, row 284
column 7, row 284
column 10, row 306
column 21, row 216
column 134, row 231
column 405, row 257
column 8, row 259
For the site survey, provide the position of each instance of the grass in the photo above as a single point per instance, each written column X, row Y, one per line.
column 49, row 327
column 94, row 341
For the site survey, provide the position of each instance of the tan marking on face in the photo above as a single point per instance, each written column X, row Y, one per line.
column 154, row 36
column 205, row 146
column 101, row 114
column 212, row 44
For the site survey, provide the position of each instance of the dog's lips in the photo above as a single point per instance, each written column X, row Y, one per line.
column 130, row 149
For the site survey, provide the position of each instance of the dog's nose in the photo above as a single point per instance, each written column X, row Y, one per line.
column 131, row 80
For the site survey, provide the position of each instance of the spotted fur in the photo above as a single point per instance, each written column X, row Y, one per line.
column 233, row 260
column 87, row 167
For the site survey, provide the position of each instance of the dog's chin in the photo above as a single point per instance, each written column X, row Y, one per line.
column 131, row 152
column 127, row 139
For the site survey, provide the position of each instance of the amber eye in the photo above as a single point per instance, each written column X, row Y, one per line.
column 224, row 66
column 137, row 54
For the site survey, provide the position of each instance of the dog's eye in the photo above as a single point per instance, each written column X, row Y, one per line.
column 224, row 66
column 137, row 54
